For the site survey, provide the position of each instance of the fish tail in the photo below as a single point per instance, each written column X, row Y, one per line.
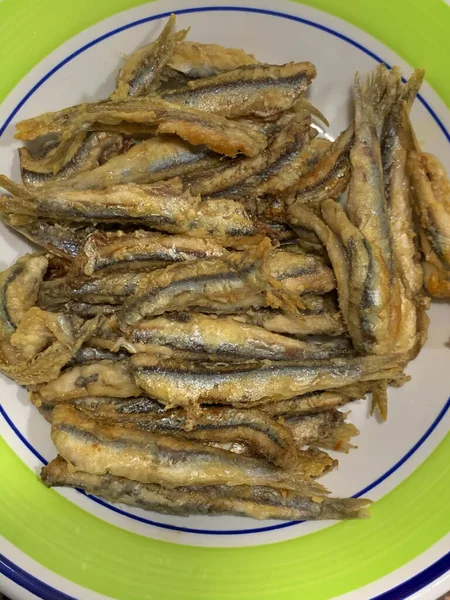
column 412, row 87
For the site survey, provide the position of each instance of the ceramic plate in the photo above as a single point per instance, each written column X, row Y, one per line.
column 63, row 544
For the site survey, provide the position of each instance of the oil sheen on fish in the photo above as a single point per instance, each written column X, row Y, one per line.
column 301, row 273
column 247, row 384
column 194, row 126
column 260, row 90
column 148, row 457
column 431, row 187
column 255, row 502
column 226, row 337
column 367, row 210
column 395, row 143
column 328, row 178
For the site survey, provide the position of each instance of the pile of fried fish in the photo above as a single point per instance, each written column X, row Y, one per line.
column 201, row 304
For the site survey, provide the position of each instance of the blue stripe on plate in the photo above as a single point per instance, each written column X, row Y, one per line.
column 45, row 590
column 400, row 592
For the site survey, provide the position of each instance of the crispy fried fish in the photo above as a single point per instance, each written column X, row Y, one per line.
column 154, row 159
column 140, row 250
column 252, row 383
column 228, row 338
column 431, row 188
column 262, row 435
column 104, row 378
column 159, row 206
column 45, row 343
column 301, row 273
column 197, row 61
column 260, row 90
column 19, row 287
column 149, row 457
column 195, row 126
column 61, row 240
column 142, row 70
column 269, row 171
column 327, row 429
column 254, row 502
column 87, row 152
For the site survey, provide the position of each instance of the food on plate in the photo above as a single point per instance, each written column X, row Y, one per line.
column 205, row 301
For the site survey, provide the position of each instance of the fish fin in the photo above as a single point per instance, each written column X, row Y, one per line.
column 412, row 87
column 14, row 188
column 411, row 139
column 379, row 399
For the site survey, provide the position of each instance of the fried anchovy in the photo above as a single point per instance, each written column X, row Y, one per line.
column 228, row 277
column 431, row 188
column 298, row 324
column 260, row 173
column 261, row 434
column 326, row 430
column 92, row 150
column 142, row 69
column 328, row 178
column 210, row 281
column 226, row 337
column 111, row 251
column 154, row 159
column 194, row 126
column 59, row 239
column 149, row 457
column 259, row 90
column 367, row 210
column 197, row 60
column 247, row 384
column 395, row 143
column 394, row 148
column 45, row 343
column 19, row 287
column 158, row 206
column 243, row 501
column 104, row 378
column 316, row 402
